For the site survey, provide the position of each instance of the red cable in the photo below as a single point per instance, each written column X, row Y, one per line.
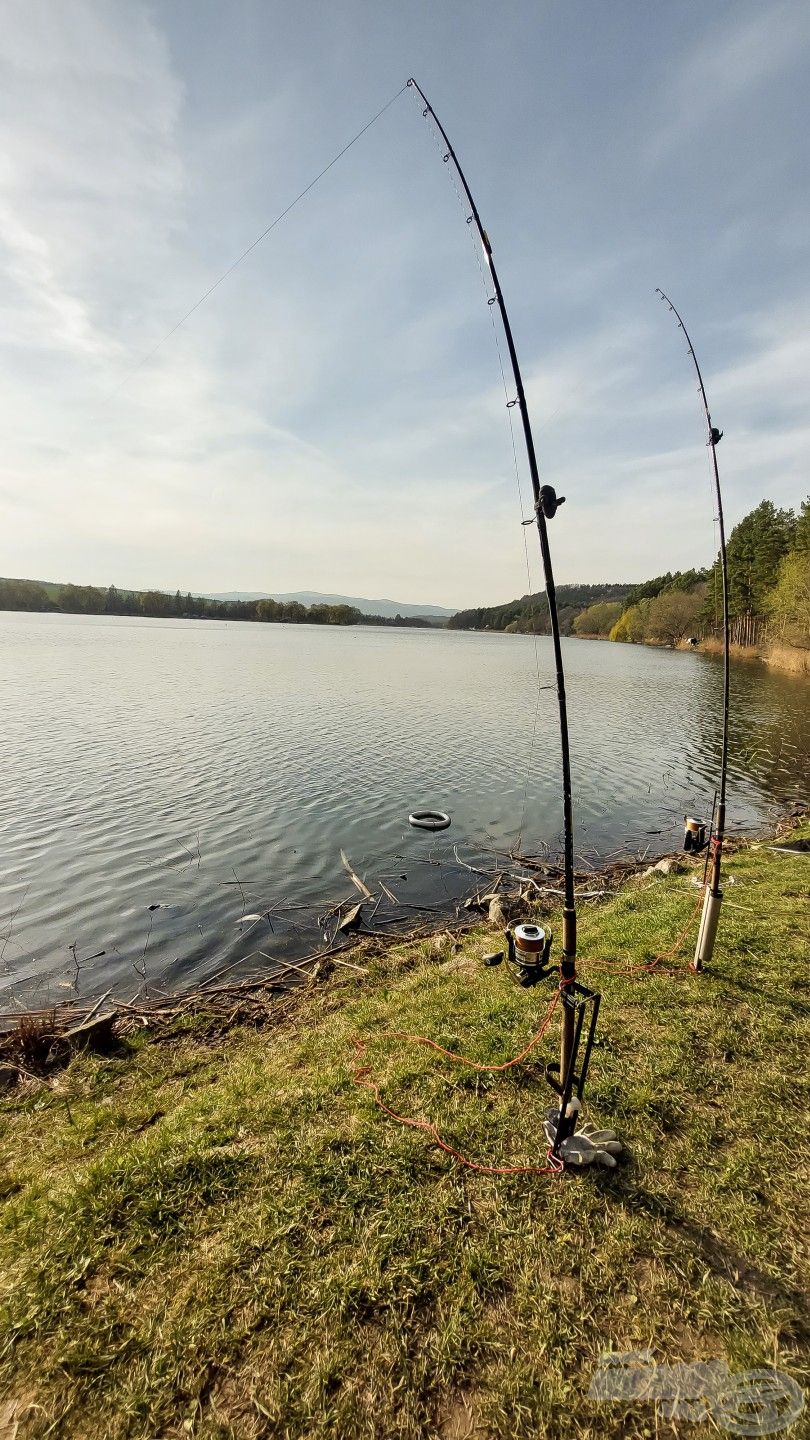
column 464, row 1059
column 652, row 964
column 360, row 1078
column 555, row 1166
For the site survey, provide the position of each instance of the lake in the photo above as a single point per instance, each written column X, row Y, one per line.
column 210, row 770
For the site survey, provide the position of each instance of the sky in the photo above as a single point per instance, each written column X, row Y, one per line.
column 332, row 417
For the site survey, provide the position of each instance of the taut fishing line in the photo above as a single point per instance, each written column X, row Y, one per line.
column 259, row 238
column 490, row 302
column 560, row 1125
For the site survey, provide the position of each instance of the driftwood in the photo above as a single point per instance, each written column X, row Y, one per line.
column 465, row 866
column 352, row 919
column 291, row 966
column 94, row 1033
column 46, row 1038
column 527, row 881
column 355, row 878
column 347, row 965
column 335, row 909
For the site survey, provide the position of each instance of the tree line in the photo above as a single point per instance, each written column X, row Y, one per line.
column 769, row 594
column 769, row 586
column 768, row 590
column 156, row 604
column 769, row 573
column 529, row 614
column 661, row 611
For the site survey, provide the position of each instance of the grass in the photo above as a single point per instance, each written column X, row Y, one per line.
column 226, row 1238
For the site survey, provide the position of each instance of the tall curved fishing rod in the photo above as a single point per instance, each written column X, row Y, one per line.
column 714, row 895
column 546, row 502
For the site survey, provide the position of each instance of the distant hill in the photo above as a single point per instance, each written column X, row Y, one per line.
column 529, row 614
column 388, row 608
column 51, row 587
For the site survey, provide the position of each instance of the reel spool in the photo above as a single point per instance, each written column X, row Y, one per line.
column 694, row 834
column 528, row 949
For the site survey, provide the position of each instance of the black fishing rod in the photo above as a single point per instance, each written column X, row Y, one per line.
column 714, row 895
column 546, row 502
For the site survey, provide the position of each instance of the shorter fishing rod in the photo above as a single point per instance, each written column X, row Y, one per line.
column 546, row 502
column 714, row 895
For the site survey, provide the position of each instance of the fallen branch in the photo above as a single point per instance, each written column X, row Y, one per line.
column 465, row 866
column 355, row 878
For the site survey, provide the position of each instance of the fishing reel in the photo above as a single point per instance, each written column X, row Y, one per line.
column 528, row 948
column 549, row 501
column 694, row 835
column 528, row 952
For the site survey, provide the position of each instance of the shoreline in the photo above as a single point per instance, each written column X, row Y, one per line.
column 48, row 1037
column 787, row 659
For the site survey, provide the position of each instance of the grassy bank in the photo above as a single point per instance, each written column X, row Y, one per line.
column 787, row 658
column 220, row 1235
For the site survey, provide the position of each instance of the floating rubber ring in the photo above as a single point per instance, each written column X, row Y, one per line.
column 429, row 820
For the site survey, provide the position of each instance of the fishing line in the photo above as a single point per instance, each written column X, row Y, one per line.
column 491, row 302
column 259, row 238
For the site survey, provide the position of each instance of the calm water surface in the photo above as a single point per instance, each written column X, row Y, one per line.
column 156, row 763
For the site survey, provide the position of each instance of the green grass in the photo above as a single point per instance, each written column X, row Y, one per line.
column 226, row 1238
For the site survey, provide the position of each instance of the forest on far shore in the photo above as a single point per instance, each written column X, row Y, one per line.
column 769, row 594
column 160, row 605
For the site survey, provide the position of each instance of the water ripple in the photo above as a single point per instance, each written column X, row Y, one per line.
column 152, row 762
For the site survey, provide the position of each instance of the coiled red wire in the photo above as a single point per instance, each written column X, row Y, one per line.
column 554, row 1166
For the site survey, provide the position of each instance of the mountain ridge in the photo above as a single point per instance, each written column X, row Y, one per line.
column 388, row 608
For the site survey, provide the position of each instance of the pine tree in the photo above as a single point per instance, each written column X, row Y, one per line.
column 755, row 549
column 801, row 535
